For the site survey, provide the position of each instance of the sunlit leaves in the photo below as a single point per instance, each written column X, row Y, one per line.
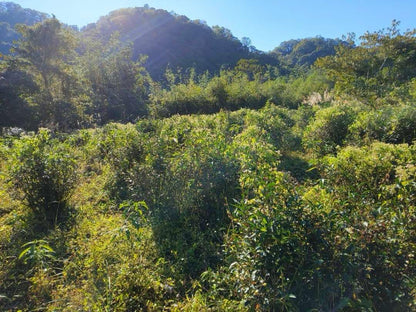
column 383, row 62
column 44, row 170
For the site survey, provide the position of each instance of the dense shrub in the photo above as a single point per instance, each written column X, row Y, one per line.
column 343, row 244
column 98, row 278
column 329, row 129
column 185, row 176
column 232, row 90
column 44, row 170
column 372, row 195
column 198, row 184
column 231, row 196
column 288, row 196
column 390, row 124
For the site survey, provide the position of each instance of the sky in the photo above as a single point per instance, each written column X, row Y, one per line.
column 266, row 22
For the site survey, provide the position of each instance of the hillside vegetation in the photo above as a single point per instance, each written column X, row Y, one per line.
column 243, row 189
column 12, row 14
column 172, row 40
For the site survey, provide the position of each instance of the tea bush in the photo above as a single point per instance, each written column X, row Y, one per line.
column 329, row 129
column 390, row 124
column 45, row 171
column 216, row 212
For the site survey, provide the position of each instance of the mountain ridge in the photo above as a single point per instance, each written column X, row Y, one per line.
column 170, row 39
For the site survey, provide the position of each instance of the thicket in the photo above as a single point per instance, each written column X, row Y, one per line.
column 288, row 196
column 43, row 172
column 204, row 211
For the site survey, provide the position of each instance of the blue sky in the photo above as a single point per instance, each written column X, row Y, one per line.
column 266, row 22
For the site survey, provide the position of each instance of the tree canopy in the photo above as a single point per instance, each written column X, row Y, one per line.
column 384, row 62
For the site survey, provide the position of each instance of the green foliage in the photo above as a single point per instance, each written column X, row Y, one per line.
column 11, row 15
column 382, row 63
column 118, row 85
column 45, row 52
column 267, row 250
column 44, row 45
column 182, row 176
column 371, row 192
column 329, row 129
column 390, row 124
column 114, row 266
column 44, row 170
column 300, row 54
column 37, row 252
column 345, row 243
column 15, row 103
column 372, row 167
column 279, row 199
column 69, row 80
column 222, row 228
column 248, row 85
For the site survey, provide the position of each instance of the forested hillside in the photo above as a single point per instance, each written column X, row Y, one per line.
column 253, row 186
column 302, row 53
column 12, row 14
column 172, row 40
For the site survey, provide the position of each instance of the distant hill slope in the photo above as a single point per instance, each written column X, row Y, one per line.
column 168, row 38
column 10, row 15
column 175, row 40
column 304, row 52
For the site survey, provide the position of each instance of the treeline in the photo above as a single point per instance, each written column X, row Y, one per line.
column 171, row 39
column 49, row 83
column 60, row 80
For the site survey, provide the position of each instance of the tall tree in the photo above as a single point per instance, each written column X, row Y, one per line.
column 47, row 50
column 45, row 46
column 118, row 85
column 16, row 86
column 382, row 63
